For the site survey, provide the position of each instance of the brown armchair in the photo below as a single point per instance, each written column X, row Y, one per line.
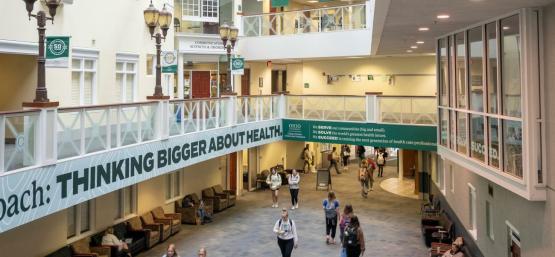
column 231, row 197
column 175, row 218
column 165, row 225
column 152, row 231
column 208, row 204
column 189, row 214
column 220, row 201
column 83, row 248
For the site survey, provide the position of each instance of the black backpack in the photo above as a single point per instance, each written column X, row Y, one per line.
column 351, row 236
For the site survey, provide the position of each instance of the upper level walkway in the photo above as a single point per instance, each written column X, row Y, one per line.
column 51, row 159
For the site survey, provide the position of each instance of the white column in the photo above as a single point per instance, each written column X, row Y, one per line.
column 372, row 108
column 180, row 75
column 282, row 105
column 401, row 166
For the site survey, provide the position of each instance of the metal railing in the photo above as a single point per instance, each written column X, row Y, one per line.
column 338, row 18
column 41, row 137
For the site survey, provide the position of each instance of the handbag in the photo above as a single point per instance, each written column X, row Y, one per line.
column 343, row 252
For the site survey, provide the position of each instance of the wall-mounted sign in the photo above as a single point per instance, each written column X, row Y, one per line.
column 237, row 66
column 280, row 3
column 34, row 193
column 370, row 77
column 57, row 52
column 260, row 82
column 368, row 134
column 306, row 85
column 168, row 60
column 201, row 45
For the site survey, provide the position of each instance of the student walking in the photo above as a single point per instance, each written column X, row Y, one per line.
column 274, row 181
column 331, row 211
column 380, row 160
column 345, row 155
column 344, row 221
column 307, row 157
column 294, row 180
column 286, row 232
column 353, row 240
column 333, row 157
column 363, row 178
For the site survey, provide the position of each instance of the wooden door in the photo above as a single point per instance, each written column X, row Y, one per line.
column 283, row 80
column 233, row 171
column 275, row 79
column 246, row 82
column 201, row 84
column 410, row 162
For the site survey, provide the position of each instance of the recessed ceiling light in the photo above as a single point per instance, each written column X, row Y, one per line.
column 409, row 51
column 443, row 16
column 312, row 1
column 423, row 29
column 420, row 42
column 413, row 47
column 506, row 28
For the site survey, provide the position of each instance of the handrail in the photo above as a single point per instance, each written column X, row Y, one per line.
column 4, row 113
column 303, row 10
column 99, row 106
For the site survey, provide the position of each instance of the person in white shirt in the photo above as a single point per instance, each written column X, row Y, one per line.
column 109, row 239
column 294, row 180
column 274, row 181
column 286, row 232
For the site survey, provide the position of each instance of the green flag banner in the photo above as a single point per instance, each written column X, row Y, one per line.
column 369, row 134
column 237, row 66
column 168, row 61
column 280, row 3
column 57, row 52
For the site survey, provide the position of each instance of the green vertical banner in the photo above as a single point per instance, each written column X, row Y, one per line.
column 168, row 61
column 237, row 66
column 57, row 52
column 280, row 3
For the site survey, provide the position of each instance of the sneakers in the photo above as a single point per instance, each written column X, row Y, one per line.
column 274, row 205
column 293, row 207
column 327, row 240
column 297, row 206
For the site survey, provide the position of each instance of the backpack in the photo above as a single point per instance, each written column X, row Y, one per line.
column 363, row 174
column 381, row 159
column 330, row 157
column 290, row 223
column 302, row 155
column 330, row 209
column 351, row 237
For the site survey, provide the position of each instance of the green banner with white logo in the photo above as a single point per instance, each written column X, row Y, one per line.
column 57, row 52
column 168, row 61
column 368, row 134
column 280, row 3
column 237, row 66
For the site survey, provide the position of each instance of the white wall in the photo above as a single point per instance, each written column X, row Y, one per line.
column 108, row 26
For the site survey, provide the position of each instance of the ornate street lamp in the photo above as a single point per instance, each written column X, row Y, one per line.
column 229, row 37
column 41, row 94
column 158, row 19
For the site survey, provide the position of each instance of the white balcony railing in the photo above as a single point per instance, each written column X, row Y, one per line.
column 338, row 18
column 34, row 138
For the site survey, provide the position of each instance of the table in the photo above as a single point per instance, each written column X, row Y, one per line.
column 439, row 246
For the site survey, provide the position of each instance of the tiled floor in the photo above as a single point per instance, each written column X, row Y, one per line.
column 404, row 187
column 390, row 223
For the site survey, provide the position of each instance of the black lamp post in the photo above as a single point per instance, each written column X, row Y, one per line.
column 158, row 19
column 41, row 94
column 228, row 33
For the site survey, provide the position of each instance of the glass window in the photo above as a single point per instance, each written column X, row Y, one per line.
column 125, row 81
column 460, row 71
column 489, row 220
column 128, row 200
column 491, row 32
column 83, row 81
column 510, row 65
column 512, row 147
column 472, row 210
column 71, row 226
column 177, row 184
column 461, row 132
column 476, row 54
column 452, row 181
column 493, row 142
column 150, row 64
column 453, row 126
column 477, row 144
column 444, row 127
column 443, row 72
column 85, row 217
column 168, row 186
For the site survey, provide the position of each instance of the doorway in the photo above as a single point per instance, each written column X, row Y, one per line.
column 200, row 84
column 514, row 242
column 246, row 82
column 252, row 167
column 279, row 81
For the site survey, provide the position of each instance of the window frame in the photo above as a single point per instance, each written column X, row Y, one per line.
column 472, row 213
column 127, row 59
column 172, row 193
column 86, row 55
column 121, row 216
column 200, row 5
column 489, row 220
column 77, row 219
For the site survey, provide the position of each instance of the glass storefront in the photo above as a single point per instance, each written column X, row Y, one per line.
column 480, row 72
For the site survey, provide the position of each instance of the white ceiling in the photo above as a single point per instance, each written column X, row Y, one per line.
column 399, row 29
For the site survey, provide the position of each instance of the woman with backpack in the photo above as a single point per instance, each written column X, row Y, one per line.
column 344, row 221
column 294, row 180
column 365, row 176
column 286, row 232
column 274, row 181
column 331, row 211
column 353, row 240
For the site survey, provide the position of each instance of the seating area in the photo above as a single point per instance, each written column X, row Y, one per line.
column 147, row 230
column 438, row 229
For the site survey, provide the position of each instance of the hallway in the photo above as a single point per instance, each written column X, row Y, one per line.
column 391, row 223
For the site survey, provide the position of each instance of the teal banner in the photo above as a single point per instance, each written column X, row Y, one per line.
column 369, row 134
column 280, row 3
